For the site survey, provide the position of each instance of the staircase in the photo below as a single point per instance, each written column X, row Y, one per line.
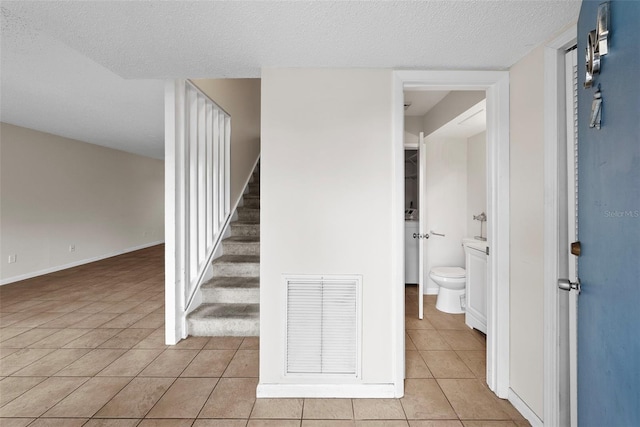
column 231, row 299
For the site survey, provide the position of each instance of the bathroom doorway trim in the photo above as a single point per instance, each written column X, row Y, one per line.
column 496, row 86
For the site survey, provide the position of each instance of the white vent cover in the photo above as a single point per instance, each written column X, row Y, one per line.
column 323, row 325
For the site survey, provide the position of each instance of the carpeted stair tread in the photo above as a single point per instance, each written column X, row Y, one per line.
column 232, row 282
column 231, row 290
column 212, row 319
column 232, row 259
column 248, row 228
column 228, row 311
column 242, row 239
column 241, row 245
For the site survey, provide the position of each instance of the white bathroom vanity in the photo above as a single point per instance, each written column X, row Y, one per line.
column 476, row 296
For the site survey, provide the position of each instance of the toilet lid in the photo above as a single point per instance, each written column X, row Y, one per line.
column 450, row 272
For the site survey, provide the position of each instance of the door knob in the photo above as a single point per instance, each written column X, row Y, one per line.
column 567, row 285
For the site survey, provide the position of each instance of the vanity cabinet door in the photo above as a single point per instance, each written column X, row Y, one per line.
column 476, row 310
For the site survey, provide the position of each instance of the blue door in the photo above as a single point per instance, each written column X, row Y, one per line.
column 609, row 225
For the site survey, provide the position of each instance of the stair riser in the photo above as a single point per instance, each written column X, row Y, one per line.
column 251, row 196
column 251, row 203
column 224, row 328
column 245, row 229
column 236, row 270
column 231, row 296
column 238, row 248
column 249, row 214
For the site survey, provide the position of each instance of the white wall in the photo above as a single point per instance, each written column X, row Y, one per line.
column 327, row 173
column 326, row 207
column 412, row 128
column 449, row 108
column 446, row 201
column 526, row 239
column 476, row 182
column 241, row 99
column 58, row 192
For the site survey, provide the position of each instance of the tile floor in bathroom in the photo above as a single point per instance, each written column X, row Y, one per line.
column 85, row 347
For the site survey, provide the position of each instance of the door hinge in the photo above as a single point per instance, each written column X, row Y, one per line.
column 576, row 248
column 487, row 250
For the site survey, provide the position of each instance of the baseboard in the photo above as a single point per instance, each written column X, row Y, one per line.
column 431, row 291
column 76, row 263
column 524, row 409
column 345, row 391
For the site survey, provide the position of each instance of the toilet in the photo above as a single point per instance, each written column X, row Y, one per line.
column 451, row 281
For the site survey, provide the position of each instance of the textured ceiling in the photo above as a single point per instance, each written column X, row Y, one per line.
column 100, row 47
column 47, row 86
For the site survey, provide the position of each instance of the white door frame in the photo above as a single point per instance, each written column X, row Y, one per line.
column 422, row 223
column 554, row 141
column 496, row 85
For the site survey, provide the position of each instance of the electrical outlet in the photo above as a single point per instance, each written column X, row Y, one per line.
column 13, row 258
column 72, row 248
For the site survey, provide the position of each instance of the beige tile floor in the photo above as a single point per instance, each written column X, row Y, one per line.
column 85, row 347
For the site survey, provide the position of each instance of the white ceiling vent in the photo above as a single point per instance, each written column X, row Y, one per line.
column 323, row 325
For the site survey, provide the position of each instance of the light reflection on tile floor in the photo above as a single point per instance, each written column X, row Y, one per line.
column 85, row 346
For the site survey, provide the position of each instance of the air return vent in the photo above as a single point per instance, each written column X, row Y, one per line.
column 323, row 325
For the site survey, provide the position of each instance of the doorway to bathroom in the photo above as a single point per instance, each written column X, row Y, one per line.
column 446, row 178
column 493, row 86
